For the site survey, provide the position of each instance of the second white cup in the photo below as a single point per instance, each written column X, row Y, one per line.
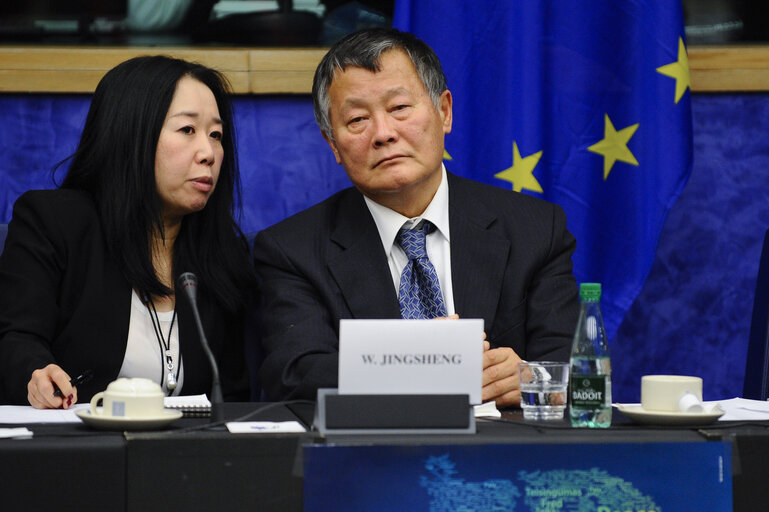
column 671, row 393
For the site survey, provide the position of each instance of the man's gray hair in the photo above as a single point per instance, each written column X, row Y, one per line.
column 364, row 49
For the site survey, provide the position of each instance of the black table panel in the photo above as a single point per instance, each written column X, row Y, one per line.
column 204, row 472
column 62, row 473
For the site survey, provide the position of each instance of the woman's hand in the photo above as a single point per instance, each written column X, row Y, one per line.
column 41, row 389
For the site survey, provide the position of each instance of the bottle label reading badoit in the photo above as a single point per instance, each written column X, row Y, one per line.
column 588, row 391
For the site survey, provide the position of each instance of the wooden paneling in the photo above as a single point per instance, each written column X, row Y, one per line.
column 283, row 70
column 77, row 69
column 729, row 68
column 290, row 70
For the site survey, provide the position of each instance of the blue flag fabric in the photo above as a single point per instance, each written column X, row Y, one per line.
column 584, row 103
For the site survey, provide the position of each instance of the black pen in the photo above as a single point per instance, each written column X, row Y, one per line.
column 80, row 379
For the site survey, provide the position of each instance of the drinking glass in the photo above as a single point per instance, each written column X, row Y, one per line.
column 544, row 387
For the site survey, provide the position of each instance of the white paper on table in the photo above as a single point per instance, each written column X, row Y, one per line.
column 25, row 414
column 487, row 410
column 743, row 409
column 737, row 409
column 264, row 427
column 15, row 433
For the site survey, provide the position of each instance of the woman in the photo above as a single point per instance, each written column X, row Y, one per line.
column 87, row 274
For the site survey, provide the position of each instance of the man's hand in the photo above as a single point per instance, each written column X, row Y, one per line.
column 500, row 380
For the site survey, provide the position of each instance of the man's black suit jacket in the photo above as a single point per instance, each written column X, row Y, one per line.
column 510, row 265
column 64, row 300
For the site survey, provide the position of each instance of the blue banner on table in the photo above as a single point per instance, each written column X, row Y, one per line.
column 581, row 102
column 636, row 477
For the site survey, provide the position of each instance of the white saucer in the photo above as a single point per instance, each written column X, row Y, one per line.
column 121, row 423
column 640, row 415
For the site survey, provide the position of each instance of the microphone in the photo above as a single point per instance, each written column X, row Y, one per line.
column 188, row 283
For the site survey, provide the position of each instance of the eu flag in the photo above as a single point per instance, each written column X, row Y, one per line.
column 584, row 103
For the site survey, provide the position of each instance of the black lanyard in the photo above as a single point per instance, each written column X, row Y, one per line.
column 165, row 347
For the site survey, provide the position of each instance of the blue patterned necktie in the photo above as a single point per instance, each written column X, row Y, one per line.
column 420, row 292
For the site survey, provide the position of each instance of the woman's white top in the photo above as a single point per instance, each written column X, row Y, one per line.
column 143, row 353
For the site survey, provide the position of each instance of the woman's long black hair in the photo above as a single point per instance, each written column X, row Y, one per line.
column 115, row 163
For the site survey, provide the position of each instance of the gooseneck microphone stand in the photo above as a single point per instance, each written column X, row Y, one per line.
column 188, row 283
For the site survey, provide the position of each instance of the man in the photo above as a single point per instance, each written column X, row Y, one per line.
column 382, row 104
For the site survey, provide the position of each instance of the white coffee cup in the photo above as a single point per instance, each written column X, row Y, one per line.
column 129, row 398
column 671, row 393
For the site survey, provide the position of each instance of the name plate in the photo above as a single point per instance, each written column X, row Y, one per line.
column 422, row 357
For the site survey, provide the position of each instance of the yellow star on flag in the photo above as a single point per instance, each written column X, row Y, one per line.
column 678, row 70
column 521, row 173
column 613, row 147
column 446, row 155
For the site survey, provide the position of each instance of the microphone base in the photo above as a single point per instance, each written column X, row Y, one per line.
column 217, row 412
column 217, row 402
